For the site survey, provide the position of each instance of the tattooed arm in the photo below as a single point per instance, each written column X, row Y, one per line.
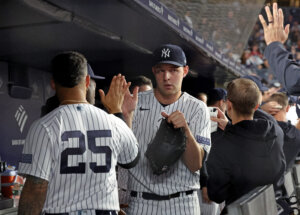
column 33, row 196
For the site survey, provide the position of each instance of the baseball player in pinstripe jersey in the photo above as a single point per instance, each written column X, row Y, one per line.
column 70, row 155
column 173, row 192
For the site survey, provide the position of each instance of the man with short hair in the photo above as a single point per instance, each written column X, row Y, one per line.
column 70, row 155
column 291, row 145
column 53, row 101
column 142, row 82
column 250, row 153
column 173, row 192
column 265, row 92
column 217, row 98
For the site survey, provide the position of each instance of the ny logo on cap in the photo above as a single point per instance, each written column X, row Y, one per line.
column 165, row 53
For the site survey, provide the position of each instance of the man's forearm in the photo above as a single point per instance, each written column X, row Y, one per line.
column 33, row 196
column 194, row 153
column 128, row 117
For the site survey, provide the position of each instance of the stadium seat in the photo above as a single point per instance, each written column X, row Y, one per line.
column 290, row 188
column 261, row 200
column 296, row 174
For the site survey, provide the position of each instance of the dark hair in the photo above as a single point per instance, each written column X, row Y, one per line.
column 139, row 81
column 244, row 96
column 280, row 98
column 68, row 68
column 215, row 95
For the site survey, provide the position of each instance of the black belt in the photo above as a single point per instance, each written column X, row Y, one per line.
column 97, row 212
column 152, row 196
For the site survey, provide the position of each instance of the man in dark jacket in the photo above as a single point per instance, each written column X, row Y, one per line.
column 250, row 153
column 286, row 70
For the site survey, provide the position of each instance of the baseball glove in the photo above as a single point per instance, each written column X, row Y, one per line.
column 166, row 147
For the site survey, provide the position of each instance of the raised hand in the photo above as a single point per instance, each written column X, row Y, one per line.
column 271, row 107
column 221, row 119
column 113, row 100
column 275, row 30
column 177, row 119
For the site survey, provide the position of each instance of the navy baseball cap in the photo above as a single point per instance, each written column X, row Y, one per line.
column 92, row 74
column 170, row 54
column 217, row 94
column 257, row 81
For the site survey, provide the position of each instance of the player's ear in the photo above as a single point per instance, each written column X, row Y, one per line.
column 87, row 81
column 52, row 84
column 287, row 108
column 185, row 70
column 153, row 70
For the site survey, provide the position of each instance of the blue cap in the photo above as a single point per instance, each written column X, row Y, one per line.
column 92, row 74
column 170, row 54
column 216, row 94
column 257, row 81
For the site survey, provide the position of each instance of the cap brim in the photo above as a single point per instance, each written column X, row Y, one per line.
column 97, row 77
column 170, row 62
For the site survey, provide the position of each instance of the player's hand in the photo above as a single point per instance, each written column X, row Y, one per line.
column 274, row 31
column 177, row 119
column 205, row 197
column 113, row 100
column 130, row 101
column 221, row 119
column 271, row 107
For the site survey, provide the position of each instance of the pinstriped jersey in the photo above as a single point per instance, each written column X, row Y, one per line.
column 76, row 148
column 146, row 122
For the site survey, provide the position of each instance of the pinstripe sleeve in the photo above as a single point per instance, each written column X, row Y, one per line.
column 128, row 143
column 36, row 156
column 200, row 126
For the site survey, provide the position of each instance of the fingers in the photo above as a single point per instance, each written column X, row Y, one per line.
column 112, row 83
column 119, row 82
column 220, row 115
column 269, row 14
column 280, row 18
column 135, row 93
column 102, row 95
column 263, row 21
column 287, row 29
column 164, row 114
column 275, row 15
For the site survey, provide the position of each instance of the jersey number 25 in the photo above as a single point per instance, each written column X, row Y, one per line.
column 92, row 135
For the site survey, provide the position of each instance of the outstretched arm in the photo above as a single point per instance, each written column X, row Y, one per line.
column 33, row 196
column 286, row 70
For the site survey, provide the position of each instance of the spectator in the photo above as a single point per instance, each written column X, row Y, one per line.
column 263, row 89
column 216, row 98
column 291, row 145
column 250, row 152
column 142, row 82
